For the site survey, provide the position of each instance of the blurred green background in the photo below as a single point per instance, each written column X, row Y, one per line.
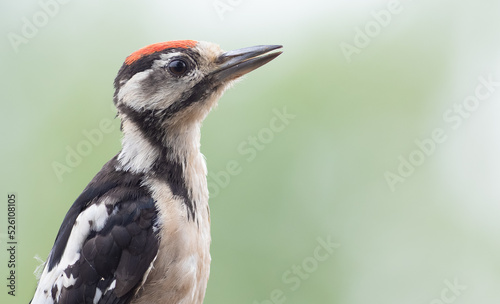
column 365, row 81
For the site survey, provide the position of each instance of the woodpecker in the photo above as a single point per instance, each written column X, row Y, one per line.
column 140, row 231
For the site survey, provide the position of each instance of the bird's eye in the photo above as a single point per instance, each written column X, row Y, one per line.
column 177, row 67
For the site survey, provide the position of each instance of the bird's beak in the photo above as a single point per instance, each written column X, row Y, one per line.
column 236, row 63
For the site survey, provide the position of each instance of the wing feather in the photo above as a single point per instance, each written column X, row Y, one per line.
column 106, row 244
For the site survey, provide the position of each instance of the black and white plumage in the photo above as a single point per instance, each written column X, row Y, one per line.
column 113, row 225
column 140, row 230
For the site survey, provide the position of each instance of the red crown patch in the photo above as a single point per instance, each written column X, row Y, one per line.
column 157, row 47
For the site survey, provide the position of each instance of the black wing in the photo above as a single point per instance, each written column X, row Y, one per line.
column 104, row 260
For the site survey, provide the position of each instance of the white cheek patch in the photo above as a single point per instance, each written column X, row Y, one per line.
column 140, row 97
column 131, row 92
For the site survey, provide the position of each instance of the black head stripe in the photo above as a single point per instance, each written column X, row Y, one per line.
column 199, row 93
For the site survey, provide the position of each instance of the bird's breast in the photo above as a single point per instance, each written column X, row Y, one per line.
column 180, row 271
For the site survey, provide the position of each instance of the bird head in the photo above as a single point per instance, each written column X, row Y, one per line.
column 169, row 86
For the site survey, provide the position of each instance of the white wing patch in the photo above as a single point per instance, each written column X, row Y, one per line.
column 97, row 296
column 111, row 286
column 91, row 219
